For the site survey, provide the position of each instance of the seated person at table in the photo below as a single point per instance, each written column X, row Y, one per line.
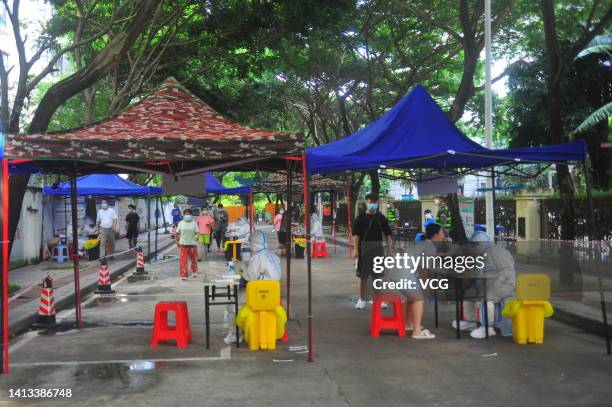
column 264, row 264
column 497, row 260
column 415, row 299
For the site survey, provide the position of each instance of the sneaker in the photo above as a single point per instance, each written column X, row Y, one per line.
column 229, row 338
column 479, row 333
column 464, row 325
column 194, row 275
column 360, row 304
column 184, row 278
column 384, row 305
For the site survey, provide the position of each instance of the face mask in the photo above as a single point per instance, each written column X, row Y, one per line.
column 372, row 207
column 188, row 218
column 104, row 206
column 428, row 216
column 281, row 212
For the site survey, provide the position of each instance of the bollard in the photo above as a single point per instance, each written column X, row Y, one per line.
column 140, row 269
column 104, row 280
column 46, row 311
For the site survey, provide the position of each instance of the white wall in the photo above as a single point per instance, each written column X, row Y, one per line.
column 27, row 243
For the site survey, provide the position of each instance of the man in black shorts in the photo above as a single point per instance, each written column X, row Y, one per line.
column 368, row 231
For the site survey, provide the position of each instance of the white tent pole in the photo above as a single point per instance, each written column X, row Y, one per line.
column 490, row 216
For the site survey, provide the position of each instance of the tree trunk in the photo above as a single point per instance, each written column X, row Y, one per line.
column 73, row 85
column 375, row 180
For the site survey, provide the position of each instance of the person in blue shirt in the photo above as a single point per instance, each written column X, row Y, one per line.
column 176, row 215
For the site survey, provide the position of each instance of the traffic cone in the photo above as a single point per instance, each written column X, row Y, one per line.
column 46, row 311
column 104, row 280
column 140, row 269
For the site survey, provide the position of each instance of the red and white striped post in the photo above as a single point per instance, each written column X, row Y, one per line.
column 104, row 280
column 140, row 262
column 46, row 311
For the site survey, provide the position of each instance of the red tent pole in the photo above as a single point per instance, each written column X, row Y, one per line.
column 334, row 204
column 308, row 258
column 348, row 207
column 288, row 229
column 75, row 249
column 251, row 219
column 4, row 221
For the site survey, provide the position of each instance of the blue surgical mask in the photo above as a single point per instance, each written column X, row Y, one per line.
column 188, row 218
column 372, row 207
column 104, row 206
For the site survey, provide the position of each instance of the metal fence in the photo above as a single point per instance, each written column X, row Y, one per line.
column 550, row 218
column 505, row 214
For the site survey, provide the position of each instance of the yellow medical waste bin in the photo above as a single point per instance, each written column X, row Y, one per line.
column 529, row 308
column 262, row 319
column 263, row 295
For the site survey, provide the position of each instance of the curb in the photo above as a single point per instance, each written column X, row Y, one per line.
column 20, row 324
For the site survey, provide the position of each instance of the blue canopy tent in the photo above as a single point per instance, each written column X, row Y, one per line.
column 213, row 186
column 416, row 133
column 112, row 185
column 105, row 185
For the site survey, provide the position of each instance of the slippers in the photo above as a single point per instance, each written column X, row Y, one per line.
column 424, row 334
column 411, row 328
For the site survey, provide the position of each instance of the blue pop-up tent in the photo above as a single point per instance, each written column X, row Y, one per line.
column 416, row 133
column 105, row 185
column 213, row 186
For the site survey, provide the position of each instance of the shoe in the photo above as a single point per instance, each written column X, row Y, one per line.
column 424, row 334
column 184, row 278
column 384, row 305
column 360, row 304
column 231, row 338
column 479, row 333
column 464, row 325
column 194, row 275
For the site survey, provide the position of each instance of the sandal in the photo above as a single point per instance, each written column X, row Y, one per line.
column 424, row 334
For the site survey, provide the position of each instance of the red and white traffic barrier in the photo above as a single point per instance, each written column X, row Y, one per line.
column 140, row 268
column 104, row 280
column 46, row 311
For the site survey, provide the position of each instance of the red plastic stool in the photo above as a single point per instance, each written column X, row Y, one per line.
column 319, row 250
column 394, row 322
column 181, row 331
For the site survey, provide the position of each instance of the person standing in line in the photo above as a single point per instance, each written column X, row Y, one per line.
column 221, row 221
column 369, row 229
column 107, row 227
column 132, row 219
column 281, row 231
column 176, row 215
column 206, row 224
column 187, row 241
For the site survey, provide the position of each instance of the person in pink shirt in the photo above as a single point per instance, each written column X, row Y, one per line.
column 206, row 224
column 281, row 231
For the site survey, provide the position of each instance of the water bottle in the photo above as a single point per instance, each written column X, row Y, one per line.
column 231, row 267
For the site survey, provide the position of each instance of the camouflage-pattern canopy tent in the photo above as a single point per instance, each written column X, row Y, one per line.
column 170, row 131
column 277, row 182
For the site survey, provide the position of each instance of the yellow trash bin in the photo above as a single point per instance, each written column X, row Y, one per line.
column 262, row 319
column 530, row 308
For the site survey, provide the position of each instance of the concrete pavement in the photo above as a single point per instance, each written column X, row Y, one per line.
column 109, row 362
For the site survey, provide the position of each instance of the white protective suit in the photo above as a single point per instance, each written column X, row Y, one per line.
column 263, row 265
column 497, row 260
column 243, row 230
column 316, row 227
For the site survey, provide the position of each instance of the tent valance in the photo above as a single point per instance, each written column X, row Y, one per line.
column 104, row 185
column 277, row 182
